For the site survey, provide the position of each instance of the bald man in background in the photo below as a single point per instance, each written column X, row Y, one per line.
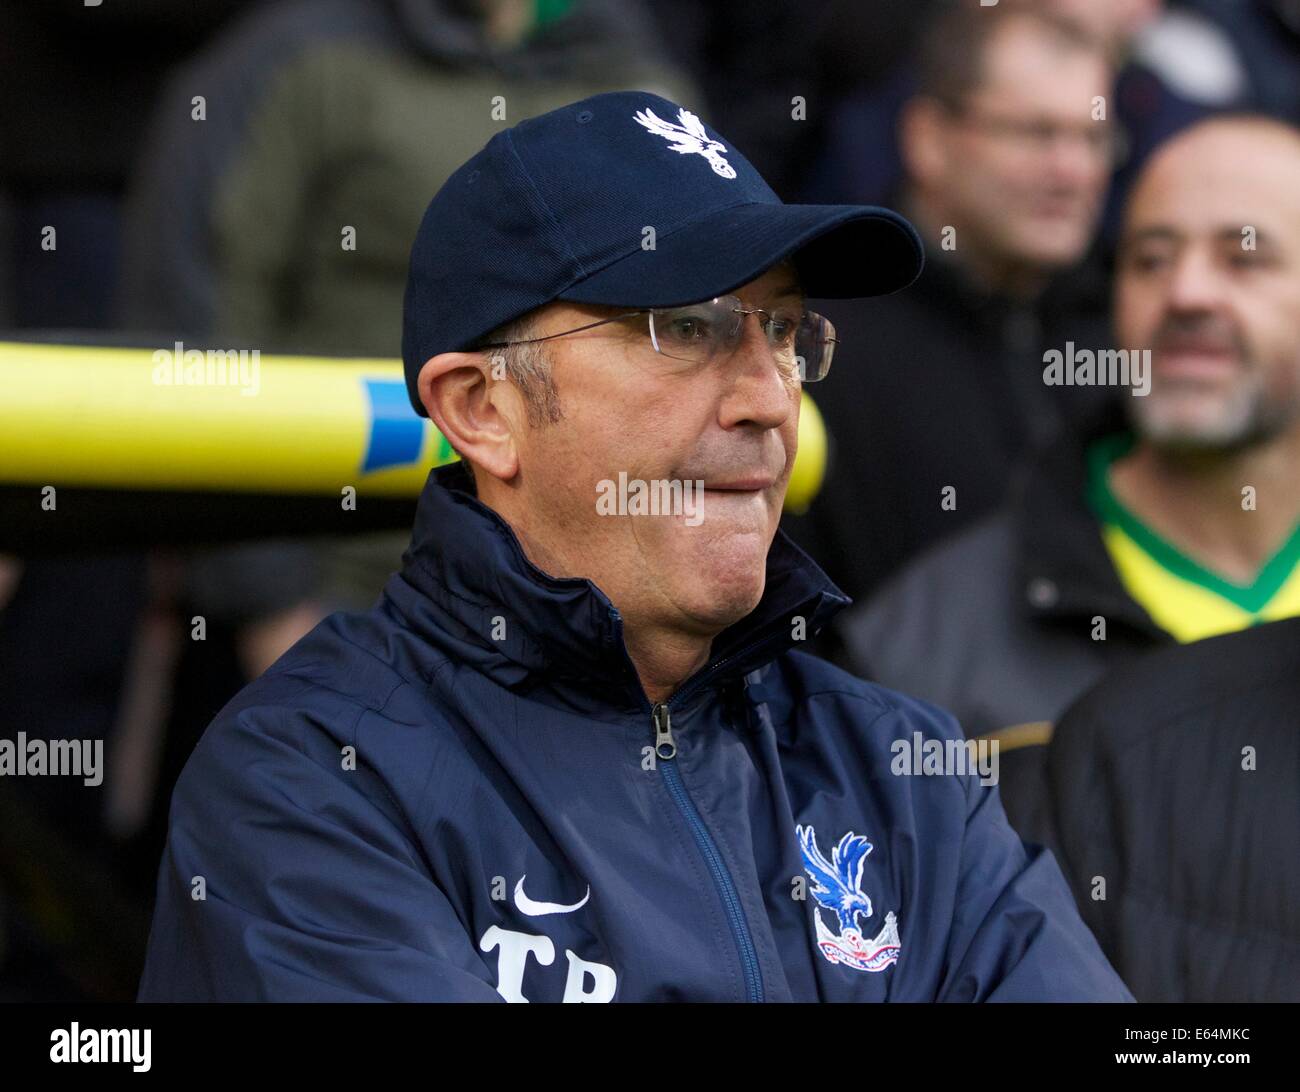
column 1177, row 522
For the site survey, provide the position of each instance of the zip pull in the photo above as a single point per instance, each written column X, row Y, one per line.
column 665, row 747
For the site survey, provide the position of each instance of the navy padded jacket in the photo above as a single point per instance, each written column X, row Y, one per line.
column 457, row 796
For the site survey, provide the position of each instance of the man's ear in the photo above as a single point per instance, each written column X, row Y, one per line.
column 480, row 416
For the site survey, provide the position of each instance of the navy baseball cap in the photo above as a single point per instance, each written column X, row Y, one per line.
column 558, row 206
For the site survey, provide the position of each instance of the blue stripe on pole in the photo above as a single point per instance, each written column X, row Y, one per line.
column 396, row 433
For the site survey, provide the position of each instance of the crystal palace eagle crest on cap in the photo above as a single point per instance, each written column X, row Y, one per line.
column 688, row 138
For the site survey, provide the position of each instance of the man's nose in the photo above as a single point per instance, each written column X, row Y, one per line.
column 1077, row 157
column 756, row 391
column 1195, row 284
column 1073, row 163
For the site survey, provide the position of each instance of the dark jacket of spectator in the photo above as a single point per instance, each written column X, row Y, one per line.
column 1174, row 782
column 998, row 625
column 938, row 386
column 328, row 114
column 284, row 219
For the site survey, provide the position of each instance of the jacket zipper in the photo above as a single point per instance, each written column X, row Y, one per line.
column 666, row 751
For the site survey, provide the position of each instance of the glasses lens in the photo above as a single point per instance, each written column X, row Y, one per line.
column 696, row 332
column 801, row 342
column 814, row 347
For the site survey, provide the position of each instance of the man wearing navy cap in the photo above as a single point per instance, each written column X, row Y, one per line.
column 574, row 752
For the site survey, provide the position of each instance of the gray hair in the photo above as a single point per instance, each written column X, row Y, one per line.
column 528, row 366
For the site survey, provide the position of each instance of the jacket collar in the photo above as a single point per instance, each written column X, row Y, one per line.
column 1063, row 568
column 467, row 586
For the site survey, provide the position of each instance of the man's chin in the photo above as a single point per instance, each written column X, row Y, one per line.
column 1202, row 425
column 1200, row 437
column 1051, row 239
column 727, row 606
column 726, row 579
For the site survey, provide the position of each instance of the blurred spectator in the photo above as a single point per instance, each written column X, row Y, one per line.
column 1185, row 526
column 1265, row 36
column 1175, row 814
column 779, row 113
column 78, row 82
column 1178, row 63
column 326, row 114
column 940, row 386
column 1180, row 66
column 99, row 647
column 325, row 117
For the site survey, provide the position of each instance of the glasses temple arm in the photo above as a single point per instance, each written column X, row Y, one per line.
column 562, row 333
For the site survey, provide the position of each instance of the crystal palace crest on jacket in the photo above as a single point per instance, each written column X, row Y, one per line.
column 837, row 887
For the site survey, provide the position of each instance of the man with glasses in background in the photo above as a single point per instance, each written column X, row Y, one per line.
column 577, row 755
column 1007, row 151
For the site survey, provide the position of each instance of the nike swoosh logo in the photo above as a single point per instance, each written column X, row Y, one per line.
column 539, row 909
